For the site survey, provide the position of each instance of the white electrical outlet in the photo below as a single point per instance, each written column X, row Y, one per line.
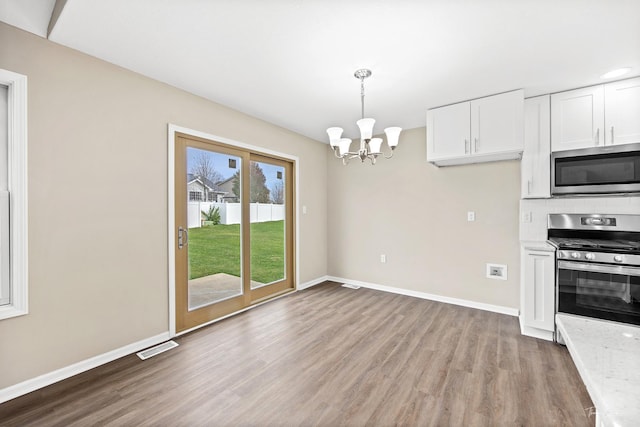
column 304, row 209
column 471, row 216
column 383, row 258
column 526, row 217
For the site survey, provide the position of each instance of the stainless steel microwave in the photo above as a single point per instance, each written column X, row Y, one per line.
column 613, row 169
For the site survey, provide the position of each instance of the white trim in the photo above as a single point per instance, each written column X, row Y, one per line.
column 36, row 383
column 310, row 283
column 456, row 301
column 172, row 129
column 171, row 203
column 17, row 159
column 528, row 331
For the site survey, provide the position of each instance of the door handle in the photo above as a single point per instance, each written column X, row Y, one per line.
column 183, row 237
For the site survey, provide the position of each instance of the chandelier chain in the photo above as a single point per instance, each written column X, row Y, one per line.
column 362, row 96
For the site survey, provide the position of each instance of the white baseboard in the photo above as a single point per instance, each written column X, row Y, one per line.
column 456, row 301
column 311, row 283
column 36, row 383
column 535, row 332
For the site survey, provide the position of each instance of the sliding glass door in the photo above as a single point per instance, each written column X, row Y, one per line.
column 234, row 229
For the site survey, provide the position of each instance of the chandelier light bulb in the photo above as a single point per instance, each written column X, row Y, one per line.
column 374, row 145
column 393, row 134
column 344, row 145
column 366, row 128
column 334, row 136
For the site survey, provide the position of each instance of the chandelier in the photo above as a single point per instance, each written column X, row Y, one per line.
column 370, row 148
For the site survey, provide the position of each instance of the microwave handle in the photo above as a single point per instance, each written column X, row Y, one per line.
column 600, row 268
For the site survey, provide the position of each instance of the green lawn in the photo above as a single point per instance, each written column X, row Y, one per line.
column 216, row 249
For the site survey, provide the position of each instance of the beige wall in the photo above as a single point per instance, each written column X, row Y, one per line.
column 416, row 214
column 97, row 243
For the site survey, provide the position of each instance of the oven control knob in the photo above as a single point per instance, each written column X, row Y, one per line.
column 590, row 257
column 575, row 255
column 617, row 258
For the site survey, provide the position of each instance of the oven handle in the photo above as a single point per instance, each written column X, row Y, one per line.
column 600, row 268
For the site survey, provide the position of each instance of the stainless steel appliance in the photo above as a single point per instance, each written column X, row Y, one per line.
column 597, row 265
column 601, row 170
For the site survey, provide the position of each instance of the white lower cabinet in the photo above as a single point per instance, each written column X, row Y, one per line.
column 538, row 291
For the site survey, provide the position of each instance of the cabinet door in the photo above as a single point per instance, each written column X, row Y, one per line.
column 539, row 289
column 622, row 111
column 448, row 132
column 497, row 123
column 577, row 118
column 536, row 165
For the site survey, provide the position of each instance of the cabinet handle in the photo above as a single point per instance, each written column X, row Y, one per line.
column 475, row 143
column 466, row 144
column 612, row 134
column 529, row 187
column 597, row 138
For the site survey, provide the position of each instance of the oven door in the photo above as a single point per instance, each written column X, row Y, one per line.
column 603, row 291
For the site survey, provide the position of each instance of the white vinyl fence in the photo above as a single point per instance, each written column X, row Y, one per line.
column 230, row 212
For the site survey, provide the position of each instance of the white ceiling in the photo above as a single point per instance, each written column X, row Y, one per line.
column 291, row 62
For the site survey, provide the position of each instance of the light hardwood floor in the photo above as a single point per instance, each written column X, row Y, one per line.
column 329, row 356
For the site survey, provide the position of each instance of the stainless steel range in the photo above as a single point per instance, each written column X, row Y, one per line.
column 597, row 265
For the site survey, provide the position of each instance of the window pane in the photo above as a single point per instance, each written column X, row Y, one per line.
column 214, row 227
column 267, row 212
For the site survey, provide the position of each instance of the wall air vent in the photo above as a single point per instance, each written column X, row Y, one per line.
column 160, row 348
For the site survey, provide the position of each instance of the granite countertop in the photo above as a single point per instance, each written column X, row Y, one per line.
column 607, row 356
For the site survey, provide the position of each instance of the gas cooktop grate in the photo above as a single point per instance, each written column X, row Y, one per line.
column 618, row 245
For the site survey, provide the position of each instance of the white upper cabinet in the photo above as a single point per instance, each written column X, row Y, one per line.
column 577, row 118
column 482, row 130
column 535, row 166
column 448, row 130
column 496, row 123
column 622, row 111
column 595, row 116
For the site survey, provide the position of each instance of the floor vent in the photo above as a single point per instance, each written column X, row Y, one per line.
column 350, row 286
column 160, row 348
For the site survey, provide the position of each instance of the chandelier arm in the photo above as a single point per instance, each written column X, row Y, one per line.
column 348, row 154
column 390, row 156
